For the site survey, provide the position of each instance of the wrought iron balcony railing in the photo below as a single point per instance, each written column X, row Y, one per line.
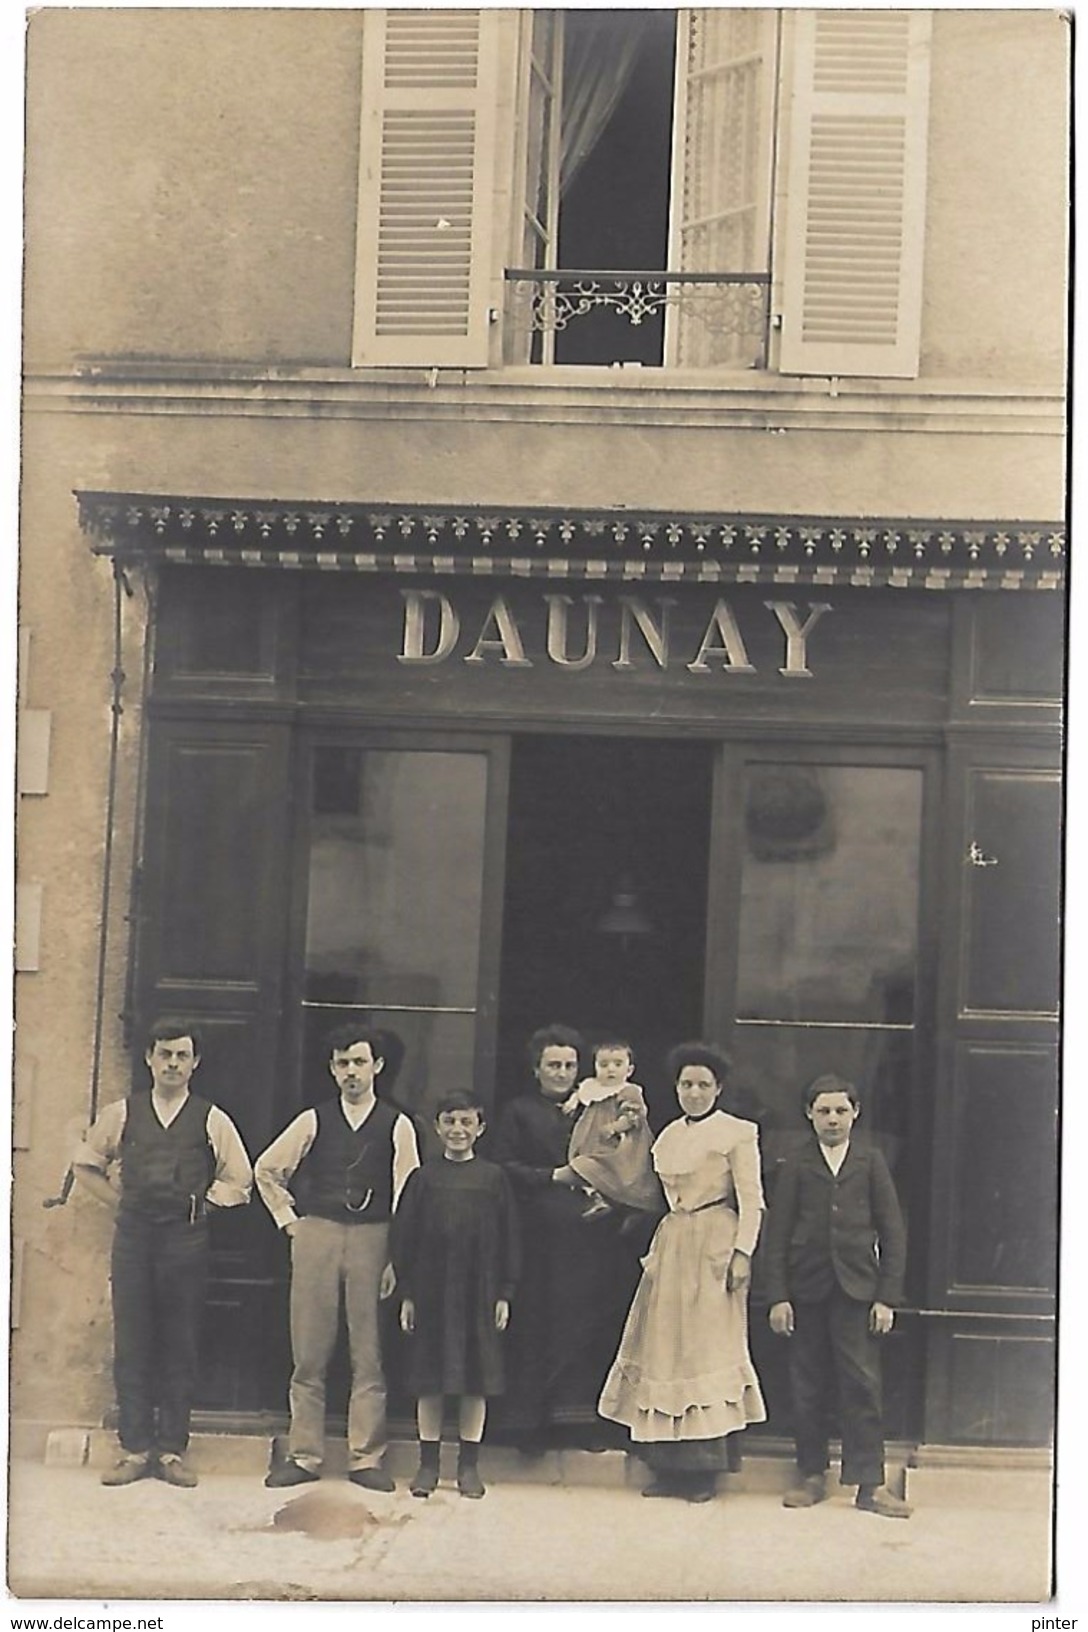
column 721, row 318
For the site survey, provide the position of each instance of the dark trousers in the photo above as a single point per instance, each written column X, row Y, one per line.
column 159, row 1273
column 834, row 1354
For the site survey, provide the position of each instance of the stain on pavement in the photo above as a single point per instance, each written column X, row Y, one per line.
column 334, row 1515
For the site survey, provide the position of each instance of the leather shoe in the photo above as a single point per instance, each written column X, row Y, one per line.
column 289, row 1473
column 372, row 1479
column 883, row 1502
column 661, row 1487
column 808, row 1493
column 469, row 1482
column 173, row 1471
column 127, row 1470
column 424, row 1481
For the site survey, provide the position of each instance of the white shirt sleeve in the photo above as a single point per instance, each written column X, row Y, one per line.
column 275, row 1167
column 101, row 1144
column 744, row 1160
column 405, row 1155
column 232, row 1184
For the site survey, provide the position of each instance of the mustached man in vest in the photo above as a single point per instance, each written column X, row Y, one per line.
column 331, row 1182
column 166, row 1160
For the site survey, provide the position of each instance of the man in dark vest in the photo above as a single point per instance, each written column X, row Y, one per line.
column 331, row 1182
column 165, row 1159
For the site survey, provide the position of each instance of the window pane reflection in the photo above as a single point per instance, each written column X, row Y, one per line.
column 396, row 878
column 773, row 1065
column 829, row 893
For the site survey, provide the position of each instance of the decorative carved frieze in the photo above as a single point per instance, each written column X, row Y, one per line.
column 579, row 544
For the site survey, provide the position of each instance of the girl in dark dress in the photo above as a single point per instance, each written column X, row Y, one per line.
column 454, row 1246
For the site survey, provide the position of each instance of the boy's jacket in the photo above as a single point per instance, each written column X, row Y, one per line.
column 823, row 1229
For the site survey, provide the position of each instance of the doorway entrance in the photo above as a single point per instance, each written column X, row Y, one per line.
column 605, row 908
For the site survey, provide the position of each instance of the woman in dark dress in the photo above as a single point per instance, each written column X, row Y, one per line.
column 578, row 1275
column 455, row 1249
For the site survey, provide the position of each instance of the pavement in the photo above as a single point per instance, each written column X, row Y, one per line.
column 552, row 1537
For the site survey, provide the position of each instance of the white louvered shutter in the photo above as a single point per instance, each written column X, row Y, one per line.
column 854, row 232
column 426, row 162
column 721, row 189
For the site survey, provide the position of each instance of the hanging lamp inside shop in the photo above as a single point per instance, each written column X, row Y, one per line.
column 624, row 915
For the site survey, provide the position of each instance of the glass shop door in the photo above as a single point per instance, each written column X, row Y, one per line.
column 820, row 914
column 400, row 866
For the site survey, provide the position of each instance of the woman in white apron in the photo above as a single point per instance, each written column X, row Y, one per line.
column 682, row 1380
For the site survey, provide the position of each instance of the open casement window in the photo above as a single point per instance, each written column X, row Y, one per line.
column 542, row 43
column 720, row 215
column 850, row 255
column 427, row 141
column 536, row 228
column 648, row 144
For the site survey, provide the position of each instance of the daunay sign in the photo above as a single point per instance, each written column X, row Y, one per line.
column 579, row 631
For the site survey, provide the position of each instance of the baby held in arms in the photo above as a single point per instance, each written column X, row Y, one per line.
column 609, row 1152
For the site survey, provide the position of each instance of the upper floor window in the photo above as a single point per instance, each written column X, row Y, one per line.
column 658, row 160
column 718, row 188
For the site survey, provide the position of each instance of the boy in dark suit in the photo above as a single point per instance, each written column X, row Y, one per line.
column 834, row 1254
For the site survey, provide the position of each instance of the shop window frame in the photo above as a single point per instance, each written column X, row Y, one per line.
column 495, row 748
column 723, row 940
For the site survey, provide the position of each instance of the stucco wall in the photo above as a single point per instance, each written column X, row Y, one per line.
column 454, row 457
column 997, row 206
column 61, row 1348
column 191, row 181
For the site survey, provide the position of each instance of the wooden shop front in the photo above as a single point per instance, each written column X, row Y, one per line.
column 789, row 783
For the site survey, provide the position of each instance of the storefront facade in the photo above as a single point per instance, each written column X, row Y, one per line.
column 631, row 782
column 692, row 703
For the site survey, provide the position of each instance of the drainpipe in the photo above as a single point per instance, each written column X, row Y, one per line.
column 136, row 870
column 117, row 682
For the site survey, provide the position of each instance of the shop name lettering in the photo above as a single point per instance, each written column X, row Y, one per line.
column 433, row 633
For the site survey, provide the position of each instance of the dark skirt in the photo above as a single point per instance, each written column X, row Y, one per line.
column 683, row 1456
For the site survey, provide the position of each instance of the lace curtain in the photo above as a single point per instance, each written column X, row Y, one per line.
column 600, row 48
